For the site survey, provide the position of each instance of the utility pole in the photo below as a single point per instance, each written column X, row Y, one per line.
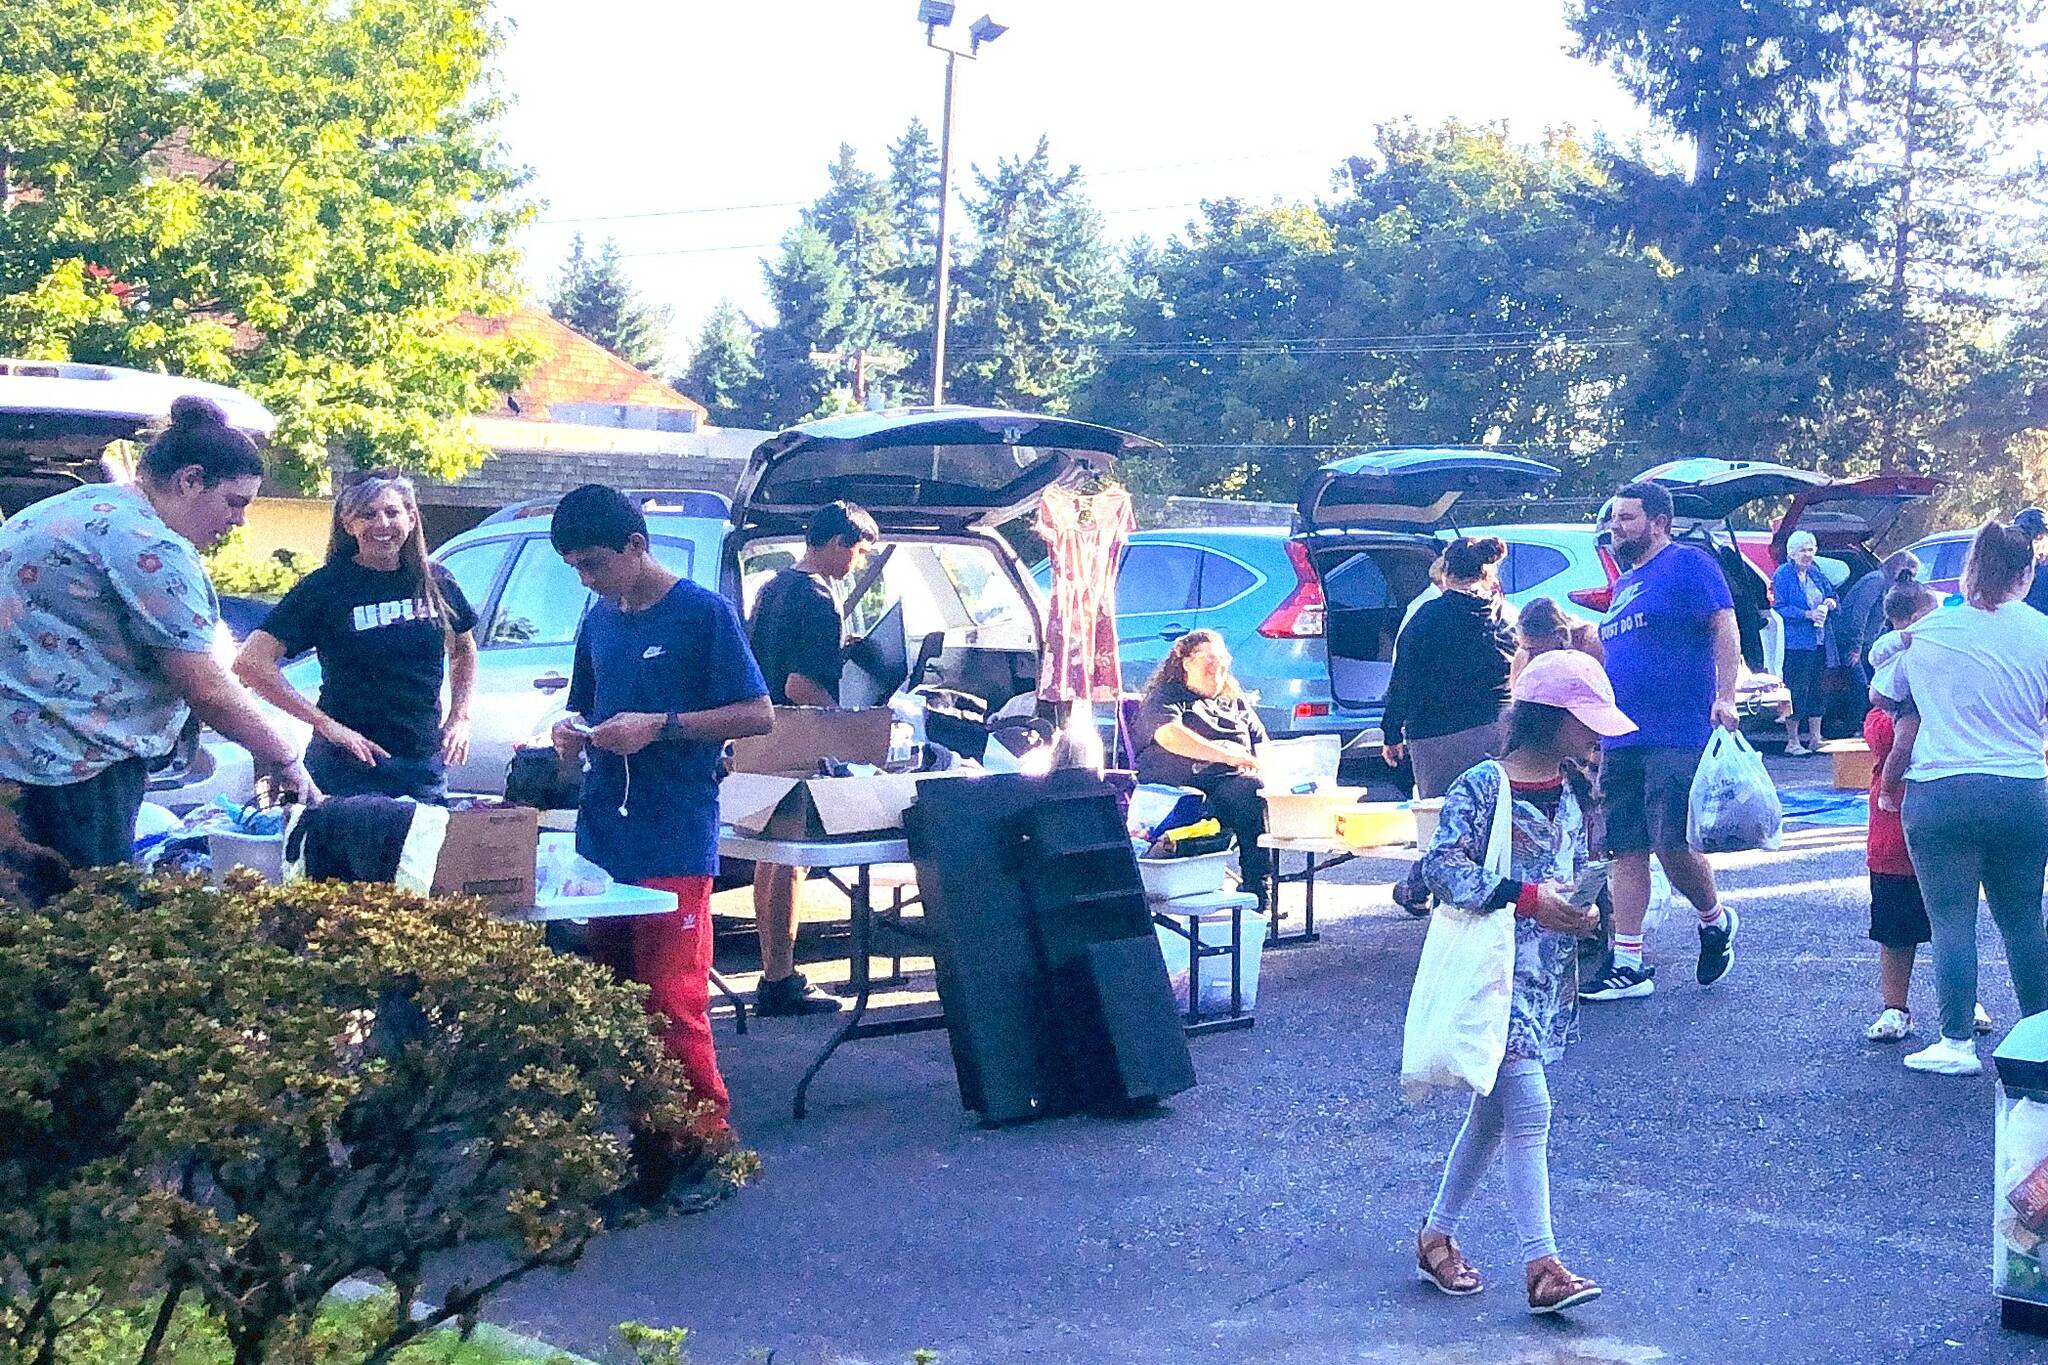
column 935, row 15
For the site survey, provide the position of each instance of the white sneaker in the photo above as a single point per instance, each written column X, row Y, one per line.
column 1982, row 1022
column 1892, row 1026
column 1796, row 751
column 1947, row 1057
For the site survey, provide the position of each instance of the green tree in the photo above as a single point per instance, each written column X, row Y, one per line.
column 808, row 289
column 722, row 366
column 293, row 196
column 1947, row 96
column 856, row 214
column 914, row 212
column 1456, row 291
column 1038, row 289
column 1757, row 343
column 595, row 296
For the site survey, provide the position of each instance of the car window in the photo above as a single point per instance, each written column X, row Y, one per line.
column 987, row 594
column 1157, row 578
column 543, row 600
column 677, row 556
column 1358, row 584
column 1531, row 566
column 1223, row 579
column 474, row 568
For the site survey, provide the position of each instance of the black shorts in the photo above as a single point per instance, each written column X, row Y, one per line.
column 1646, row 789
column 1898, row 917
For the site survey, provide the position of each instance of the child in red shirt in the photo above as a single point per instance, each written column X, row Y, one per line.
column 1898, row 918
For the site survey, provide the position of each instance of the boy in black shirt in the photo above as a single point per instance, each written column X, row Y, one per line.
column 796, row 638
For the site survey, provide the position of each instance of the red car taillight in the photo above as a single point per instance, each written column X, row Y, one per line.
column 1599, row 599
column 1300, row 617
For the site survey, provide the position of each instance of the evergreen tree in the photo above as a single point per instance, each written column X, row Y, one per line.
column 723, row 368
column 1758, row 336
column 1038, row 291
column 856, row 215
column 1947, row 95
column 594, row 295
column 808, row 288
column 914, row 213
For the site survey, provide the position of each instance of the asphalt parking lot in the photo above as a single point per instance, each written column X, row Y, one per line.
column 1748, row 1177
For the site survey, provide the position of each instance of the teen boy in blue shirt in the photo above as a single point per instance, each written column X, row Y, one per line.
column 663, row 678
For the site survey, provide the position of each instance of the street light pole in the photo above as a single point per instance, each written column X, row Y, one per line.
column 945, row 270
column 935, row 15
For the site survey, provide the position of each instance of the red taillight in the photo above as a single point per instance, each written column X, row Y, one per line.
column 1599, row 599
column 1300, row 617
column 1311, row 710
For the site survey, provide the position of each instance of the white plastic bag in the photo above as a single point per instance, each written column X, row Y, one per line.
column 1457, row 1027
column 1734, row 805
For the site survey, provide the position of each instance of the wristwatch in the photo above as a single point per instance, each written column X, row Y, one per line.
column 672, row 728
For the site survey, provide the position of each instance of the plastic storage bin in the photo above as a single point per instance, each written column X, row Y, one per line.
column 262, row 854
column 1308, row 815
column 2019, row 1206
column 1213, row 928
column 1377, row 824
column 1168, row 878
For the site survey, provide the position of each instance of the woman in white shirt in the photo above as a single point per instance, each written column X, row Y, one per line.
column 1976, row 805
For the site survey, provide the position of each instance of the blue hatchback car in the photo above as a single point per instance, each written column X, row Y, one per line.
column 1310, row 612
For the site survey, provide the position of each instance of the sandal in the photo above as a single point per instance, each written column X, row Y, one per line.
column 1439, row 1262
column 1552, row 1288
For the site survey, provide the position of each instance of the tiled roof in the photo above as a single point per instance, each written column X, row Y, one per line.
column 572, row 369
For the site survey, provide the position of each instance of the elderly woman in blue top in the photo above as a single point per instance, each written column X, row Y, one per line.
column 1563, row 705
column 1803, row 597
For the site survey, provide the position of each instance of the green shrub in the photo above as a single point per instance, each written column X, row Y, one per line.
column 248, row 1096
column 235, row 568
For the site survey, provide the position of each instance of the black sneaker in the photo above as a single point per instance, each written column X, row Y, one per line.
column 1717, row 948
column 1622, row 983
column 792, row 995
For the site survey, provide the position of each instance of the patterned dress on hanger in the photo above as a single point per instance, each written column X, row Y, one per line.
column 1086, row 535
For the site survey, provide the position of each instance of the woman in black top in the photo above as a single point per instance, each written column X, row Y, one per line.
column 1450, row 680
column 1197, row 728
column 388, row 625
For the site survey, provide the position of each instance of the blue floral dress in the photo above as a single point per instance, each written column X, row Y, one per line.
column 1544, row 1015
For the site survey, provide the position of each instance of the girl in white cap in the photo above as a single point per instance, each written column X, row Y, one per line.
column 1562, row 706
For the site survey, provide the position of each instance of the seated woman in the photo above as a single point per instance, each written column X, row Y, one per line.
column 1197, row 728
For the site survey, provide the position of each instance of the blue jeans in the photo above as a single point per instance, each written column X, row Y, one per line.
column 1974, row 831
column 338, row 774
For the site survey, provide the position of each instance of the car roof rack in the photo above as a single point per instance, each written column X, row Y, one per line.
column 683, row 502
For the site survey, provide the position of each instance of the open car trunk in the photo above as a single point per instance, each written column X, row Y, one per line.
column 1370, row 524
column 945, row 603
column 1368, row 583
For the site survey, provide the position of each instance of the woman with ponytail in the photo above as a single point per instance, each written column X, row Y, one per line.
column 1863, row 615
column 106, row 637
column 389, row 626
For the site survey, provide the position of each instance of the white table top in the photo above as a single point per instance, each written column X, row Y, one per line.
column 814, row 852
column 1289, row 844
column 620, row 901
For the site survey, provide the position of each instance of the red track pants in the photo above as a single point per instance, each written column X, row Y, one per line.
column 671, row 954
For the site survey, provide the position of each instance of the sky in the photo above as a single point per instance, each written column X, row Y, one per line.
column 693, row 132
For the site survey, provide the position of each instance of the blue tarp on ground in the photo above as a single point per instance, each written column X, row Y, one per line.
column 1822, row 806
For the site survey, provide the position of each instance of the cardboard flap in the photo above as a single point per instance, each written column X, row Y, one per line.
column 805, row 734
column 747, row 801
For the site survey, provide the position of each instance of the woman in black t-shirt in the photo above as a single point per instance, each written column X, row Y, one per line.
column 388, row 626
column 1197, row 728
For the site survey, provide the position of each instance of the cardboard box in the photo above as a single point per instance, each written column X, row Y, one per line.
column 489, row 854
column 778, row 806
column 805, row 734
column 1855, row 769
column 774, row 792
